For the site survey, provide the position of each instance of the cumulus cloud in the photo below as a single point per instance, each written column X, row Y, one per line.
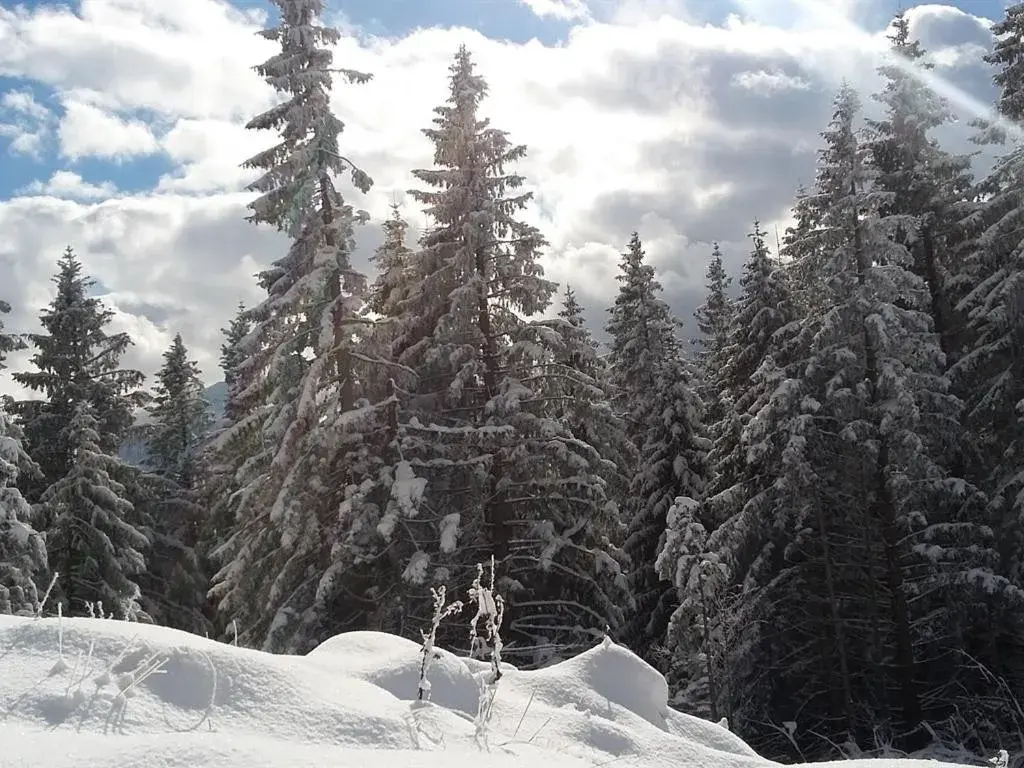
column 167, row 263
column 566, row 10
column 68, row 184
column 208, row 156
column 86, row 130
column 648, row 121
column 24, row 122
column 767, row 83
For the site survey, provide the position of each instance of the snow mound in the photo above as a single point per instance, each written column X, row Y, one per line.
column 83, row 692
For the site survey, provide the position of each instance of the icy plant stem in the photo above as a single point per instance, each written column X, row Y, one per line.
column 46, row 595
column 441, row 612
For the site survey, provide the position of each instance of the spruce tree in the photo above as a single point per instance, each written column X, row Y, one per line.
column 655, row 390
column 393, row 259
column 924, row 188
column 302, row 371
column 713, row 320
column 864, row 527
column 584, row 394
column 23, row 563
column 758, row 342
column 164, row 494
column 482, row 461
column 991, row 371
column 76, row 362
column 91, row 539
column 180, row 416
column 643, row 334
column 231, row 444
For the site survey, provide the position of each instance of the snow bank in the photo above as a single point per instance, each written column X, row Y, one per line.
column 88, row 692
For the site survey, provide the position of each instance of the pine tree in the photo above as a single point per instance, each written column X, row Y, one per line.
column 180, row 416
column 991, row 371
column 303, row 357
column 758, row 342
column 713, row 320
column 76, row 363
column 481, row 463
column 866, row 552
column 232, row 361
column 925, row 188
column 165, row 497
column 91, row 540
column 227, row 453
column 643, row 334
column 663, row 413
column 23, row 564
column 394, row 260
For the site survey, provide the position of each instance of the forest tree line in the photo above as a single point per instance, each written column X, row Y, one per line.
column 812, row 526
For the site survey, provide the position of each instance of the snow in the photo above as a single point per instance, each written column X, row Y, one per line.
column 351, row 702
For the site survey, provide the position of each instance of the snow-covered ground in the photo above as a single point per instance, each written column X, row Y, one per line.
column 84, row 692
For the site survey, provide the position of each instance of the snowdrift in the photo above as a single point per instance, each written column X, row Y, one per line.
column 84, row 692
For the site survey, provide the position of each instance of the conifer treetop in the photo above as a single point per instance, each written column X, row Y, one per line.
column 1007, row 57
column 299, row 171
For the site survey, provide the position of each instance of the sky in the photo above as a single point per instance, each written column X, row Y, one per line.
column 122, row 133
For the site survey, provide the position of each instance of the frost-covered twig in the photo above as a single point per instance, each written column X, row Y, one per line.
column 61, row 665
column 42, row 603
column 441, row 612
column 491, row 608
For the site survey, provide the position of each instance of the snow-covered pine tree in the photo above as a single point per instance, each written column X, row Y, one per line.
column 928, row 188
column 760, row 334
column 76, row 362
column 656, row 396
column 480, row 465
column 180, row 416
column 303, row 356
column 869, row 529
column 164, row 494
column 91, row 540
column 643, row 334
column 394, row 260
column 227, row 452
column 23, row 564
column 580, row 390
column 699, row 631
column 991, row 371
column 699, row 557
column 232, row 360
column 714, row 318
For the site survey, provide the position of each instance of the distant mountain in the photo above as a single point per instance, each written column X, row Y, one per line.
column 134, row 450
column 217, row 396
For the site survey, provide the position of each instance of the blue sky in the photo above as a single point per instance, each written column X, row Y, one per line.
column 500, row 19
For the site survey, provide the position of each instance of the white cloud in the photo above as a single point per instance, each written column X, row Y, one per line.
column 86, row 131
column 208, row 155
column 24, row 102
column 565, row 10
column 181, row 59
column 25, row 122
column 769, row 82
column 69, row 185
column 647, row 123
